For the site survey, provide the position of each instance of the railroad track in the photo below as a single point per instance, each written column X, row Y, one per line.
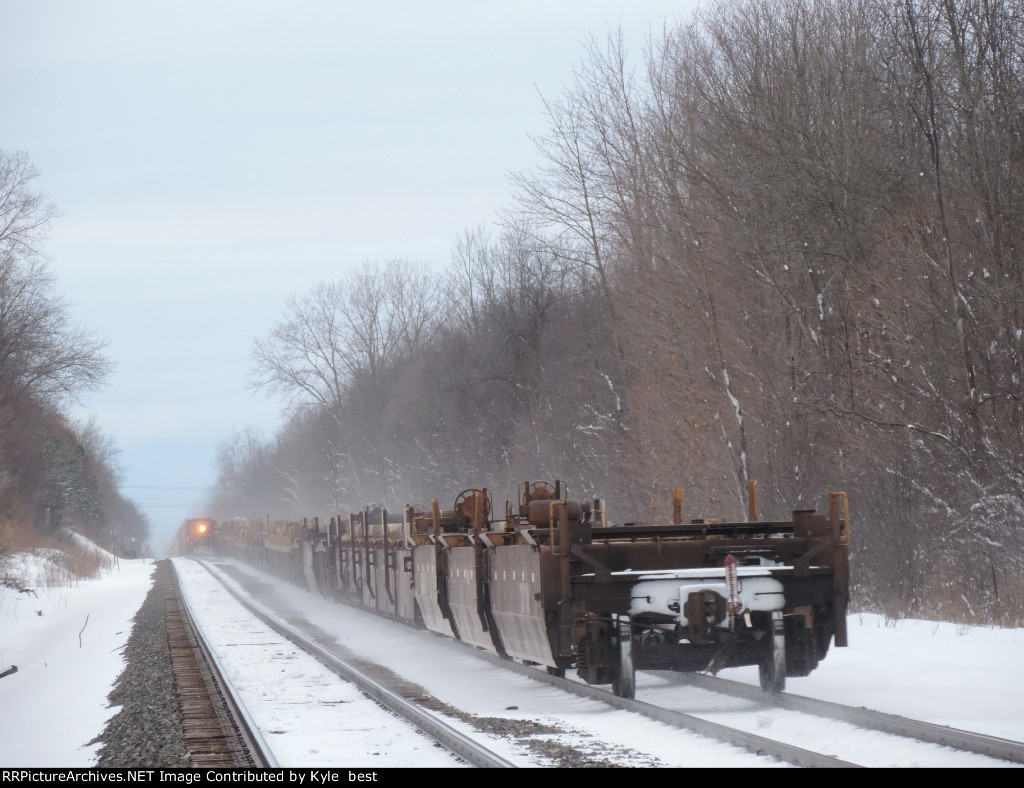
column 992, row 746
column 218, row 731
column 954, row 738
column 759, row 745
column 764, row 745
column 752, row 743
column 467, row 748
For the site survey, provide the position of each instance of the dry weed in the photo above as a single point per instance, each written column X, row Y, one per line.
column 67, row 560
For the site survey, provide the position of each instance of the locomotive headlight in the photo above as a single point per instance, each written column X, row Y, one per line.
column 202, row 528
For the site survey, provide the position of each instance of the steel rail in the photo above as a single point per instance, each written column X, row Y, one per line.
column 251, row 738
column 750, row 742
column 992, row 746
column 955, row 738
column 453, row 740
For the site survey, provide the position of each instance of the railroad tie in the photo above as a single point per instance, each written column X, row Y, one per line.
column 210, row 738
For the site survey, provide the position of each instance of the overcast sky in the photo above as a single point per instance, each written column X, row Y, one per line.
column 212, row 158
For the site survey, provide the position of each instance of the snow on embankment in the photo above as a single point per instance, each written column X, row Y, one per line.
column 65, row 635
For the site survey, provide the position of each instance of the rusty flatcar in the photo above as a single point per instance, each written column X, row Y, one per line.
column 551, row 583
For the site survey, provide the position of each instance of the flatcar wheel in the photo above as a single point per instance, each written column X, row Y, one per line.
column 558, row 672
column 624, row 682
column 772, row 668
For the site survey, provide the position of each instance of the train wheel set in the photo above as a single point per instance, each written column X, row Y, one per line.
column 553, row 584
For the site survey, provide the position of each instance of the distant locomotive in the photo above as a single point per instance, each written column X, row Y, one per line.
column 197, row 535
column 553, row 584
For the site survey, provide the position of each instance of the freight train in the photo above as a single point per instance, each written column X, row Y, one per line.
column 554, row 584
column 196, row 536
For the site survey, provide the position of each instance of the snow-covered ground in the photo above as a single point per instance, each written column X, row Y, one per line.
column 56, row 702
column 964, row 677
column 66, row 643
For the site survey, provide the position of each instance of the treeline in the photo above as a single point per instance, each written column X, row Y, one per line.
column 55, row 475
column 784, row 245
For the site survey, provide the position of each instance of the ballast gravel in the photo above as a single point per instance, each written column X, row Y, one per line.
column 147, row 730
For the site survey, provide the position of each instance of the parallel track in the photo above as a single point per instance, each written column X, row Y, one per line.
column 864, row 718
column 218, row 731
column 750, row 742
column 759, row 745
column 460, row 744
column 993, row 746
column 954, row 738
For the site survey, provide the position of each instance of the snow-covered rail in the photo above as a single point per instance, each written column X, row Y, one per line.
column 218, row 729
column 754, row 743
column 456, row 742
column 479, row 684
column 992, row 746
column 923, row 733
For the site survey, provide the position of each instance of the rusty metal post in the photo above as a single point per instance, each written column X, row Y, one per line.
column 752, row 502
column 478, row 511
column 387, row 551
column 440, row 577
column 352, row 548
column 435, row 512
column 563, row 550
column 407, row 525
column 334, row 541
column 367, row 579
column 840, row 526
column 677, row 505
column 313, row 554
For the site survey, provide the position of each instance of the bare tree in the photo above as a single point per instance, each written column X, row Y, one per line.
column 588, row 201
column 42, row 353
column 788, row 249
column 25, row 214
column 340, row 346
column 343, row 331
